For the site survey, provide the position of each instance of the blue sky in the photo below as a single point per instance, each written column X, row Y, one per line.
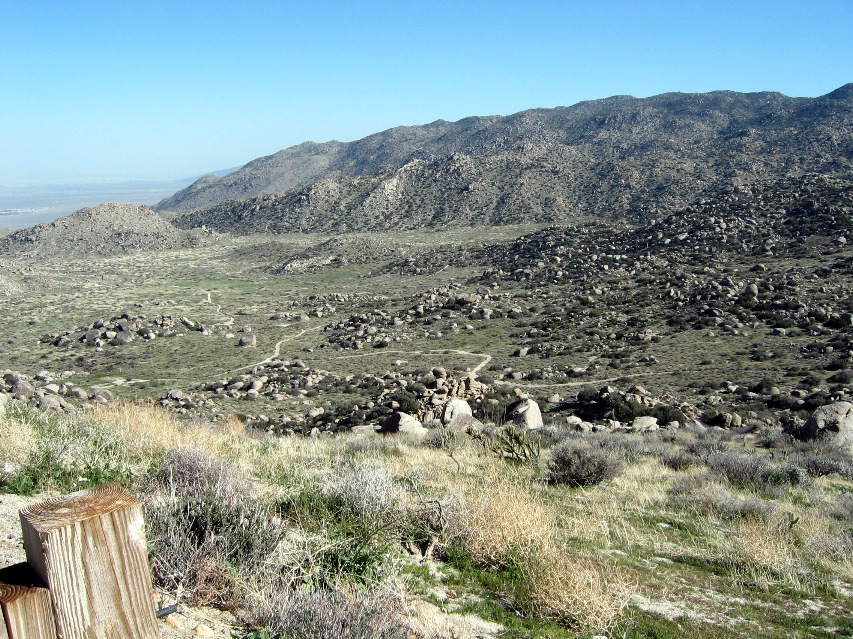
column 118, row 90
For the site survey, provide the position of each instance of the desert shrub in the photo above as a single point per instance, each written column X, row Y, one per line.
column 587, row 395
column 506, row 532
column 348, row 527
column 407, row 401
column 578, row 464
column 322, row 614
column 448, row 439
column 704, row 493
column 706, row 448
column 510, row 442
column 493, row 523
column 206, row 528
column 842, row 377
column 738, row 470
column 552, row 434
column 574, row 590
column 810, row 381
column 630, row 448
column 756, row 471
column 842, row 507
column 416, row 388
column 679, row 460
column 732, row 508
column 823, row 461
column 666, row 414
column 368, row 490
column 764, row 550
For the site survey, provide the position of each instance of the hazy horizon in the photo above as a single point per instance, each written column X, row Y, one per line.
column 24, row 206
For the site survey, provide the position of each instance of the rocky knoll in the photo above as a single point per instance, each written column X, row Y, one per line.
column 619, row 157
column 267, row 388
column 49, row 391
column 123, row 330
column 106, row 229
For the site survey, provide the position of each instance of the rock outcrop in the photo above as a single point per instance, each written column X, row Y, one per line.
column 832, row 423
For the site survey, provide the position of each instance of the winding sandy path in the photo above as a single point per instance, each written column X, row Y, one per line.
column 277, row 349
column 486, row 357
column 229, row 322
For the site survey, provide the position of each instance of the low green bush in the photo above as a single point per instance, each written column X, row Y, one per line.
column 575, row 464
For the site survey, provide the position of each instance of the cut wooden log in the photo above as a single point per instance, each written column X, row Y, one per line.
column 89, row 548
column 26, row 604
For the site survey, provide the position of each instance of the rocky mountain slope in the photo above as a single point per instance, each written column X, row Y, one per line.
column 620, row 157
column 106, row 229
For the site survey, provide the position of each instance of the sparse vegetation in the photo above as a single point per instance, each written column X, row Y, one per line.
column 331, row 523
column 662, row 494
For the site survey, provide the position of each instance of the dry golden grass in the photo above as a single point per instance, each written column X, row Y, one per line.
column 498, row 520
column 502, row 521
column 17, row 442
column 147, row 429
column 764, row 545
column 575, row 590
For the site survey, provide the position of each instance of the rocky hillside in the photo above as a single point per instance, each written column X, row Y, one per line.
column 620, row 157
column 790, row 218
column 106, row 229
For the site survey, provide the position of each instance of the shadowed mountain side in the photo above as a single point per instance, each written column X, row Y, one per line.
column 106, row 229
column 647, row 155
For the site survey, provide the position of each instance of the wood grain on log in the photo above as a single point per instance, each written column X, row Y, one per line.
column 89, row 548
column 26, row 605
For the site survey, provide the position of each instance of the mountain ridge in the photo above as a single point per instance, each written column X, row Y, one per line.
column 537, row 165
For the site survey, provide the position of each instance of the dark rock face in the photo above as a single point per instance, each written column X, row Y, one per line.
column 618, row 158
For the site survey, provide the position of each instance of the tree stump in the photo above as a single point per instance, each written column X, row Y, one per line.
column 89, row 548
column 26, row 605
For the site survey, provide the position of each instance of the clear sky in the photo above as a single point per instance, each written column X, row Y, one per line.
column 93, row 91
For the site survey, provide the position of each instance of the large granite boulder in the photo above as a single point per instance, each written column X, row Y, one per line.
column 524, row 413
column 832, row 423
column 453, row 410
column 404, row 424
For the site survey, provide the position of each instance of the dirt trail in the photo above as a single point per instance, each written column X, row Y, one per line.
column 486, row 357
column 277, row 349
column 229, row 322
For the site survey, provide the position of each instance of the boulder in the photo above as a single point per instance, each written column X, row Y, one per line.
column 248, row 341
column 524, row 413
column 402, row 423
column 122, row 337
column 23, row 389
column 465, row 423
column 644, row 424
column 454, row 409
column 49, row 402
column 833, row 422
column 102, row 396
column 78, row 393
